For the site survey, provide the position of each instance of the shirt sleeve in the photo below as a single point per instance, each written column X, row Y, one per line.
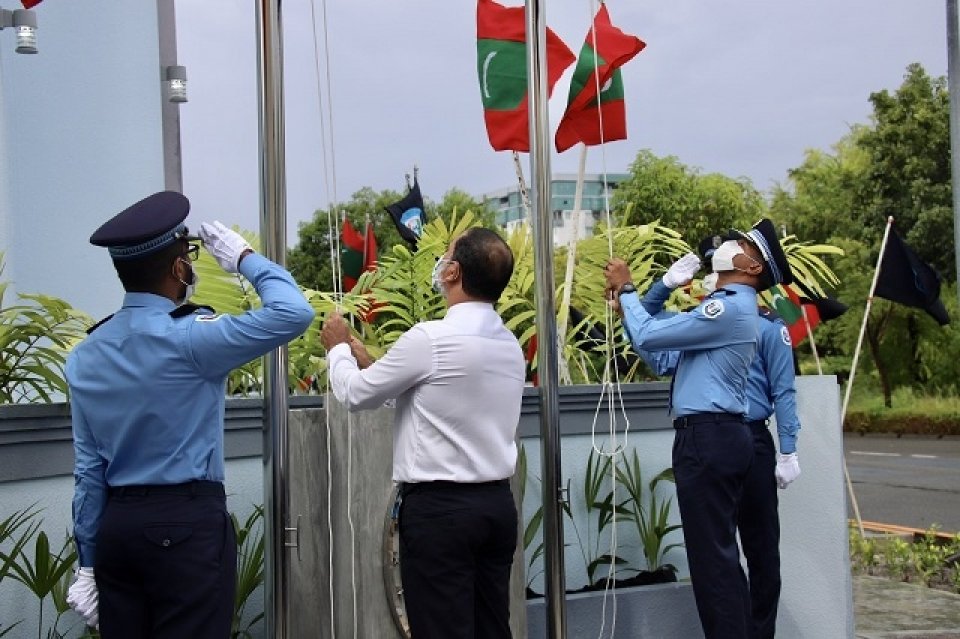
column 783, row 393
column 707, row 326
column 408, row 362
column 90, row 489
column 660, row 362
column 219, row 343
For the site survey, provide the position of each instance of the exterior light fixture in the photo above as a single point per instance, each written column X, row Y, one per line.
column 25, row 23
column 177, row 83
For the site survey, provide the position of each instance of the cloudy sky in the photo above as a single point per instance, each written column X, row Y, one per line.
column 739, row 87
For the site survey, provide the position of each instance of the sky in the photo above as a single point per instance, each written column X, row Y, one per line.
column 740, row 87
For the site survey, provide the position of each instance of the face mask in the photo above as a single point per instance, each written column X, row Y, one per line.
column 435, row 276
column 709, row 283
column 723, row 256
column 192, row 286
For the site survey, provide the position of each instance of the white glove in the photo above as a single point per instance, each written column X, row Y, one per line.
column 788, row 469
column 225, row 246
column 682, row 271
column 82, row 597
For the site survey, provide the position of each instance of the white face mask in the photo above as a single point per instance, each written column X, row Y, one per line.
column 191, row 287
column 723, row 256
column 709, row 282
column 435, row 276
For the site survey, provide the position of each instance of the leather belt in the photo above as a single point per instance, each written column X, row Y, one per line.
column 199, row 487
column 705, row 418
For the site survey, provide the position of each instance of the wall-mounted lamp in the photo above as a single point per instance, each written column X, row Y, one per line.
column 177, row 83
column 25, row 22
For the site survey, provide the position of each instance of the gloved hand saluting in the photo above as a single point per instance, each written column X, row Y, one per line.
column 788, row 469
column 82, row 597
column 226, row 246
column 682, row 271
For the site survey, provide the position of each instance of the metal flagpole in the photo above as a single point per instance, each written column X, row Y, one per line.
column 856, row 358
column 546, row 319
column 564, row 315
column 273, row 240
column 813, row 344
column 953, row 86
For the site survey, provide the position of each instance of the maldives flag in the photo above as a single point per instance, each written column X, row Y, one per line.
column 502, row 69
column 358, row 253
column 588, row 119
column 787, row 305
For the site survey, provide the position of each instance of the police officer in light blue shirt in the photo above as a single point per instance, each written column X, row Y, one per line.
column 713, row 449
column 155, row 542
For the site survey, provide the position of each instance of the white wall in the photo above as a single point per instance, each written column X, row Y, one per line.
column 80, row 140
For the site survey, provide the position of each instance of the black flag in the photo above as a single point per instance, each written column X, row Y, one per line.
column 906, row 279
column 408, row 214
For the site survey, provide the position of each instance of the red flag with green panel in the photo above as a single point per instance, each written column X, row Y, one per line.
column 502, row 69
column 588, row 119
column 787, row 304
column 358, row 253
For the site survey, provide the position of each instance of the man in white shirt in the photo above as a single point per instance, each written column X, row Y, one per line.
column 458, row 384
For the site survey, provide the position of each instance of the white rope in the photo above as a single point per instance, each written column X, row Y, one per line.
column 333, row 237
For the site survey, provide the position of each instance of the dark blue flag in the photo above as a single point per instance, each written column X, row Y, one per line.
column 408, row 214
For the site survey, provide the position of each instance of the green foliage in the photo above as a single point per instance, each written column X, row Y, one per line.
column 35, row 337
column 682, row 198
column 651, row 517
column 250, row 567
column 929, row 560
column 45, row 574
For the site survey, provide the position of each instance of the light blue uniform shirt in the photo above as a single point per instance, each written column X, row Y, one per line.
column 147, row 390
column 770, row 384
column 708, row 350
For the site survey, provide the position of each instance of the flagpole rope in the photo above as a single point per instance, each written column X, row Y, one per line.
column 333, row 236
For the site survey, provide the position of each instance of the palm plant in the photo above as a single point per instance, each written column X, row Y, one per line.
column 250, row 549
column 35, row 337
column 45, row 574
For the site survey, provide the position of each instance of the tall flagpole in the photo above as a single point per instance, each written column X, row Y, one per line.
column 856, row 358
column 546, row 319
column 273, row 224
column 953, row 86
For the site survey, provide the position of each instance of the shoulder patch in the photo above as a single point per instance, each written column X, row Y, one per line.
column 785, row 336
column 208, row 318
column 713, row 309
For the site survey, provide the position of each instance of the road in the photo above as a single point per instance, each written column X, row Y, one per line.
column 910, row 481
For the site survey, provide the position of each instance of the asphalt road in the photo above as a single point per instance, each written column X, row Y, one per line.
column 909, row 481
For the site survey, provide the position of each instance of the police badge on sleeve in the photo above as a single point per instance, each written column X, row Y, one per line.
column 785, row 336
column 713, row 309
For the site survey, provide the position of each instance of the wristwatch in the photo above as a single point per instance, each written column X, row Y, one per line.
column 627, row 287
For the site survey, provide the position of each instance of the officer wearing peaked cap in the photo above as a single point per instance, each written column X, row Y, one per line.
column 709, row 350
column 155, row 543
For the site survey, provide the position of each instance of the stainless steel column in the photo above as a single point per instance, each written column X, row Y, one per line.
column 953, row 86
column 273, row 224
column 542, row 225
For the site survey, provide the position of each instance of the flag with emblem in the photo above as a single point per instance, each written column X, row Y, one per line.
column 591, row 119
column 502, row 70
column 407, row 213
column 788, row 305
column 358, row 253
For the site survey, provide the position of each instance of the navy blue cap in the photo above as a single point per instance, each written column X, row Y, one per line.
column 764, row 236
column 146, row 227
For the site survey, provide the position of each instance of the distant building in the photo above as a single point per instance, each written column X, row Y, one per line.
column 507, row 205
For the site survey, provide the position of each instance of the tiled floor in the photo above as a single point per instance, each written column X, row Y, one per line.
column 890, row 610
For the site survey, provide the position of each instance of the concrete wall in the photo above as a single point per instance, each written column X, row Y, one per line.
column 81, row 138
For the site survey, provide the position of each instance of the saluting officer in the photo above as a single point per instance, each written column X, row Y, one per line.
column 713, row 449
column 770, row 390
column 155, row 542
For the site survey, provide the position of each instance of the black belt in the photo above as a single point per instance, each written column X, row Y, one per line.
column 705, row 418
column 758, row 423
column 407, row 487
column 199, row 487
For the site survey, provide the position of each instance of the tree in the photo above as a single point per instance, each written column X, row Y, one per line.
column 310, row 260
column 685, row 200
column 909, row 175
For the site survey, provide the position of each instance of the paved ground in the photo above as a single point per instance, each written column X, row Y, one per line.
column 887, row 609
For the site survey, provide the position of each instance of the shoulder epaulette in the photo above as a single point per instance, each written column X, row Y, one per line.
column 99, row 324
column 769, row 314
column 189, row 309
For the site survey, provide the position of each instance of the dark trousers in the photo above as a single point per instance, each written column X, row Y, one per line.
column 710, row 464
column 166, row 564
column 760, row 532
column 456, row 549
